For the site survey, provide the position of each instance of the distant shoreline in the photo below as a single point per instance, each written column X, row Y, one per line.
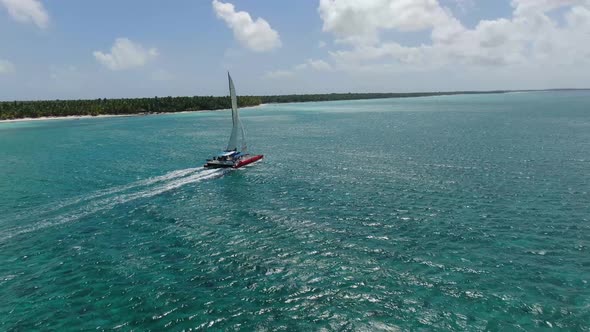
column 17, row 111
column 70, row 117
column 102, row 116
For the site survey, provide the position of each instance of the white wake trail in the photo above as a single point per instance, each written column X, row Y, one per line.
column 167, row 182
column 49, row 208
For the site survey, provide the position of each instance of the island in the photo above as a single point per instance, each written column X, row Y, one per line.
column 132, row 106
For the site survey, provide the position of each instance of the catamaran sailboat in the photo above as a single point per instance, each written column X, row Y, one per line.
column 232, row 157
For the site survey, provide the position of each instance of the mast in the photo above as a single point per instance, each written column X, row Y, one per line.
column 233, row 139
column 244, row 146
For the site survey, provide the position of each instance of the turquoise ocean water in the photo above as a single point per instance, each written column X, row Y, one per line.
column 440, row 213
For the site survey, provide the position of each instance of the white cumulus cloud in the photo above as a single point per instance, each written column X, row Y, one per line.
column 6, row 67
column 276, row 74
column 126, row 54
column 527, row 7
column 361, row 21
column 530, row 37
column 255, row 35
column 541, row 44
column 27, row 11
column 317, row 65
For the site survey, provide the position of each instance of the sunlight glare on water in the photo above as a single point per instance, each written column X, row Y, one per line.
column 445, row 213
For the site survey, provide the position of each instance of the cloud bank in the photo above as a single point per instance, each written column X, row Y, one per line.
column 540, row 36
column 310, row 64
column 6, row 67
column 126, row 54
column 255, row 35
column 531, row 35
column 27, row 11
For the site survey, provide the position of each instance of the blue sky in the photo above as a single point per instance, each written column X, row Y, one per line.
column 63, row 49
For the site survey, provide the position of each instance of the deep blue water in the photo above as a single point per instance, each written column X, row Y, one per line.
column 440, row 213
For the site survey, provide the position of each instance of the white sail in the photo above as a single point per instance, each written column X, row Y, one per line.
column 232, row 157
column 233, row 139
column 244, row 147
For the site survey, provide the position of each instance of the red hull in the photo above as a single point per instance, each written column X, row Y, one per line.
column 247, row 161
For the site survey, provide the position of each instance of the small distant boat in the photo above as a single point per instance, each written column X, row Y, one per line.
column 232, row 157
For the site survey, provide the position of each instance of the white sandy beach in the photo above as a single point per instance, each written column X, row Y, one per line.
column 72, row 117
column 77, row 117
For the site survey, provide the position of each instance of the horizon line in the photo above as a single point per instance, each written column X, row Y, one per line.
column 328, row 93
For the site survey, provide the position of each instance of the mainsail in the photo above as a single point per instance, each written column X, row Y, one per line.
column 236, row 123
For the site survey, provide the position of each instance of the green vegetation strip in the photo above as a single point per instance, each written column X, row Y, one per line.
column 53, row 108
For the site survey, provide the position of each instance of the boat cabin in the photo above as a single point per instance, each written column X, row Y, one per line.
column 227, row 156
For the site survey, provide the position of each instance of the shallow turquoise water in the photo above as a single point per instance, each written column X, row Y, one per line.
column 442, row 213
